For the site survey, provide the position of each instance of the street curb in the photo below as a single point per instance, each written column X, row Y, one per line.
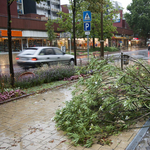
column 40, row 92
column 139, row 136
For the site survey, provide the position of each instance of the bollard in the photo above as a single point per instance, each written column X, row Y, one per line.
column 80, row 62
column 126, row 59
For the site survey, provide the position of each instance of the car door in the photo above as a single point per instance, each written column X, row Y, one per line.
column 60, row 56
column 47, row 56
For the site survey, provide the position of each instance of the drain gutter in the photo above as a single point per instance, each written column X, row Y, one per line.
column 139, row 136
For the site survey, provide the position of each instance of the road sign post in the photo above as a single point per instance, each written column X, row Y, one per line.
column 87, row 26
column 88, row 46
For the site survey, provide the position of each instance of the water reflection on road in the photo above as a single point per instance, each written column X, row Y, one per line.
column 138, row 54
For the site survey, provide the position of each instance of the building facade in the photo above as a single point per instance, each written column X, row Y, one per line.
column 28, row 26
column 28, row 23
column 49, row 8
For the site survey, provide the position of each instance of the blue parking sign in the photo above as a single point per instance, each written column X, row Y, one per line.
column 87, row 26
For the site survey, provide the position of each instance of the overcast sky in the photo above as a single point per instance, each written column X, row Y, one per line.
column 124, row 3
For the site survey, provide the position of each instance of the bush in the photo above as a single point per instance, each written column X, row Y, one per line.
column 10, row 93
column 108, row 49
column 46, row 75
column 41, row 75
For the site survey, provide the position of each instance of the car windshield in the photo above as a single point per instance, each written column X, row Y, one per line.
column 28, row 52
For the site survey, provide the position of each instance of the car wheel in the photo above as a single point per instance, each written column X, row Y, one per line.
column 26, row 68
column 48, row 64
column 71, row 62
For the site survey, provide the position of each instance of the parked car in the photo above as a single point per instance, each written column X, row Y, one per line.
column 37, row 56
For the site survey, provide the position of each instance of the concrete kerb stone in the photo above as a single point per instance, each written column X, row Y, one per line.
column 42, row 91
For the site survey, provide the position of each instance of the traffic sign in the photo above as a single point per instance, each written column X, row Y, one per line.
column 87, row 33
column 87, row 16
column 87, row 26
column 101, row 40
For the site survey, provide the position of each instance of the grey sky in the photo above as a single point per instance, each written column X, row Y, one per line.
column 124, row 3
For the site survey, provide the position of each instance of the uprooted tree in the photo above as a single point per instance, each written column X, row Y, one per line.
column 109, row 101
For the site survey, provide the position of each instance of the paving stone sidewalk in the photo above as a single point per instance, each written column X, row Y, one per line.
column 27, row 124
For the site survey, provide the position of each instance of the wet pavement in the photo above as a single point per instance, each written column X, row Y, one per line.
column 135, row 52
column 27, row 124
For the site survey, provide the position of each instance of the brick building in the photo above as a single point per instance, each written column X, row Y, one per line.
column 28, row 25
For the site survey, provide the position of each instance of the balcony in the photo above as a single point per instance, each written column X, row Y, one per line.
column 53, row 17
column 55, row 9
column 42, row 6
column 55, row 2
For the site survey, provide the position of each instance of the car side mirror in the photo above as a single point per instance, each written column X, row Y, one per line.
column 64, row 53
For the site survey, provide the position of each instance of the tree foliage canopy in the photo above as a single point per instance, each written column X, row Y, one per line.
column 138, row 17
column 65, row 21
column 50, row 30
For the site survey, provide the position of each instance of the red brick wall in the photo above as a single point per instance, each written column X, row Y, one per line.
column 119, row 24
column 64, row 8
column 3, row 8
column 25, row 24
column 124, row 31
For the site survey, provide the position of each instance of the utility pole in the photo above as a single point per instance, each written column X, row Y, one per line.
column 102, row 40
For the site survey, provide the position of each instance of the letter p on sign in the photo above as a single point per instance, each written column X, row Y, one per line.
column 87, row 26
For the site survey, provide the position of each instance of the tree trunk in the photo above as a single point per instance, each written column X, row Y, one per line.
column 74, row 35
column 9, row 43
column 93, row 42
column 102, row 41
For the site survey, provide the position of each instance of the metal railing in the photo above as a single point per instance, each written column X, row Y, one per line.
column 55, row 1
column 43, row 6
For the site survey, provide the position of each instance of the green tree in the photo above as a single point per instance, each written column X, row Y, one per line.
column 50, row 30
column 65, row 22
column 9, row 2
column 104, row 11
column 138, row 17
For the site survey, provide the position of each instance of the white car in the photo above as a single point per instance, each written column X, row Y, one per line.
column 37, row 56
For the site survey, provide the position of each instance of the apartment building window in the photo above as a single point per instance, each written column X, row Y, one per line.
column 49, row 12
column 48, row 3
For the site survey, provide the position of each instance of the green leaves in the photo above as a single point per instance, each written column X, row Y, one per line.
column 65, row 22
column 50, row 30
column 107, row 102
column 138, row 17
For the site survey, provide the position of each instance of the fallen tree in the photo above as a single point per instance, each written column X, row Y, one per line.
column 106, row 103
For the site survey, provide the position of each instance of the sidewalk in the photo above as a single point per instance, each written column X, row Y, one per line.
column 27, row 124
